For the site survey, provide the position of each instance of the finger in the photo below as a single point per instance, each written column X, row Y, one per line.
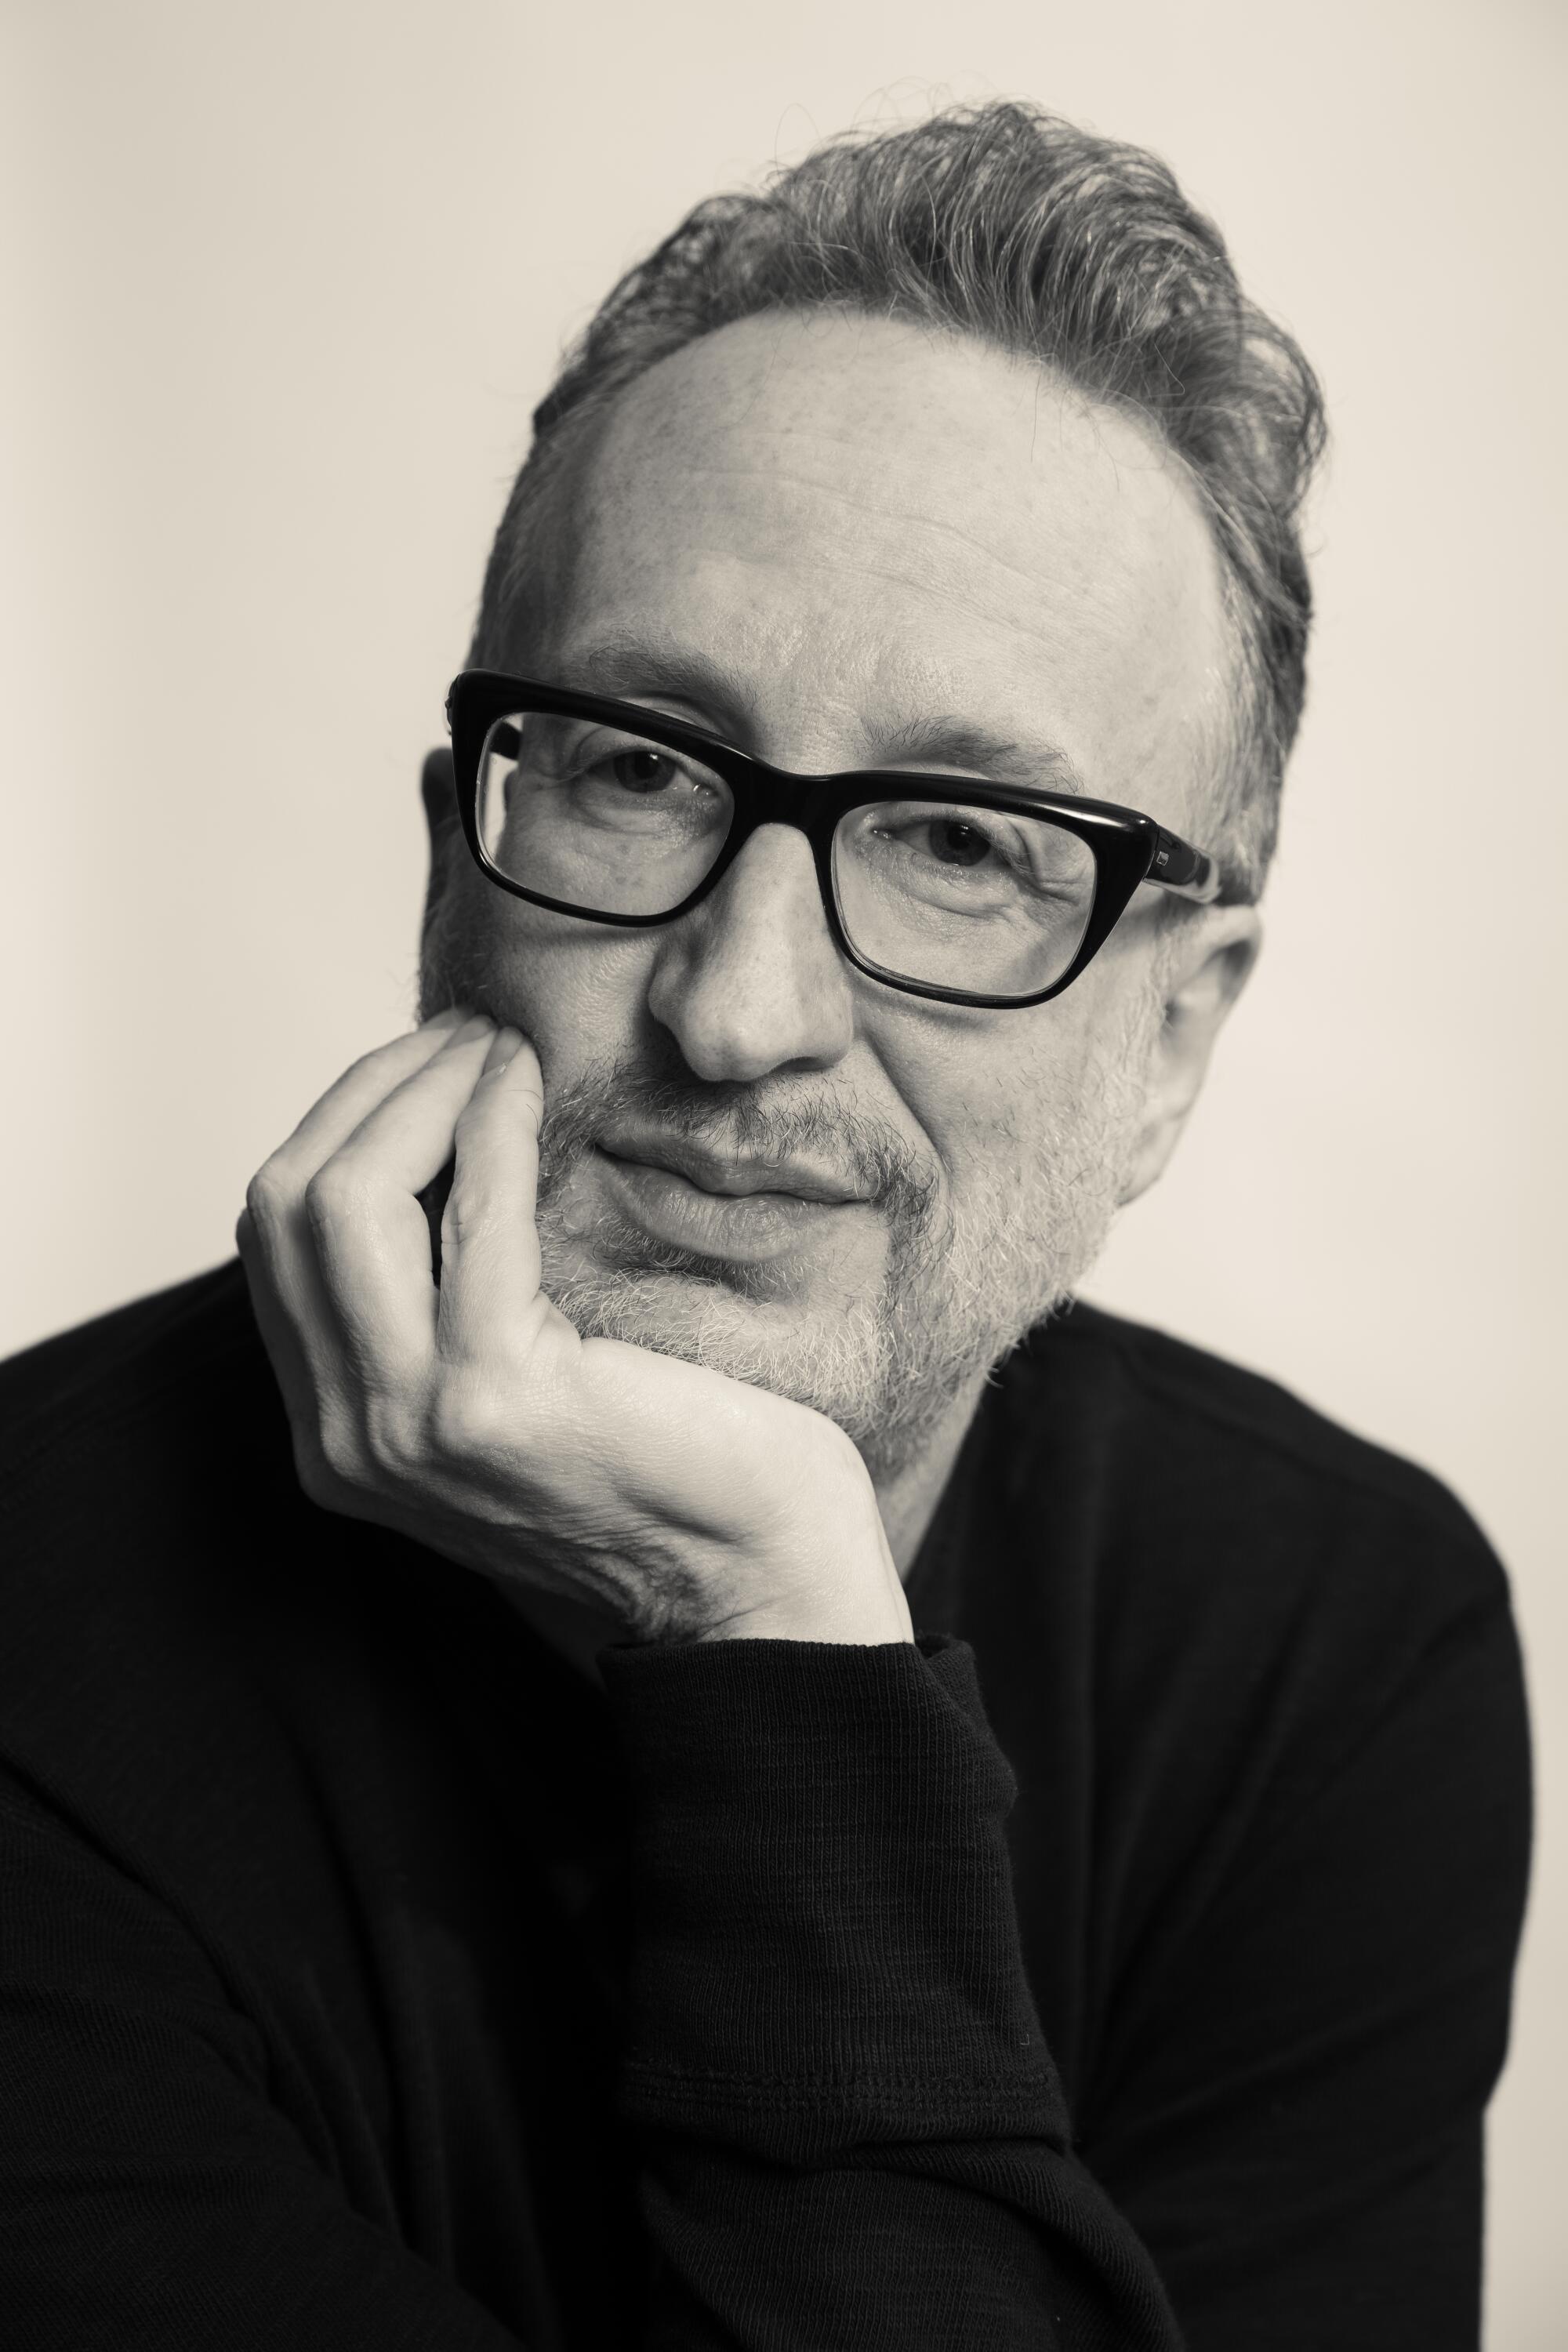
column 366, row 1221
column 275, row 1242
column 489, row 1238
column 285, row 1351
column 329, row 1122
column 277, row 1332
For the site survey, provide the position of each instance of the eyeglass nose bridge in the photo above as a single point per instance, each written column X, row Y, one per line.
column 813, row 804
column 761, row 796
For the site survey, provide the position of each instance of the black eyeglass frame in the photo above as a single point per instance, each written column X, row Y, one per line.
column 1128, row 847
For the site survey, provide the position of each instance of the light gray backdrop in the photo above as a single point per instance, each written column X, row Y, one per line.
column 284, row 282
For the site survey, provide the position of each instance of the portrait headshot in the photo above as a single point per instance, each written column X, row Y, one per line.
column 781, row 1538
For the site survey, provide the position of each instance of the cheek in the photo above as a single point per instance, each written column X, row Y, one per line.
column 575, row 988
column 990, row 1091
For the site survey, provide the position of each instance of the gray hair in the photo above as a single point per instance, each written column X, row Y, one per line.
column 1006, row 223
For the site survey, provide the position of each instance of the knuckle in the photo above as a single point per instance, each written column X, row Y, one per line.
column 265, row 1198
column 389, row 1434
column 338, row 1449
column 375, row 1059
column 464, row 1420
column 465, row 1220
column 330, row 1195
column 312, row 1459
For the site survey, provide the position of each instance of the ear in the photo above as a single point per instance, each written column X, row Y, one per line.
column 1207, row 971
column 438, row 791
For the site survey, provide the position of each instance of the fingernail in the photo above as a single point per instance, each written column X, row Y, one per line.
column 503, row 1045
column 448, row 1019
column 478, row 1024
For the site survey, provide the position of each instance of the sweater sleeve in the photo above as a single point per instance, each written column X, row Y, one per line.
column 850, row 2131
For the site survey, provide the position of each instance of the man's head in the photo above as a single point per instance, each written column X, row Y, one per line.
column 917, row 438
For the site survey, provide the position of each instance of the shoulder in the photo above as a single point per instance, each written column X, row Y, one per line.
column 190, row 1640
column 1204, row 1443
column 142, row 1418
column 1273, row 1616
column 148, row 1495
column 122, row 1362
column 170, row 1396
column 1221, row 1521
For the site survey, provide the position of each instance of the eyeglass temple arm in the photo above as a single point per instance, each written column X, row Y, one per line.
column 1175, row 865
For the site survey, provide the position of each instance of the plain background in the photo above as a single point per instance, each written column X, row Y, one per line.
column 283, row 284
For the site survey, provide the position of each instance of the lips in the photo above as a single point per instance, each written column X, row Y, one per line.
column 729, row 1179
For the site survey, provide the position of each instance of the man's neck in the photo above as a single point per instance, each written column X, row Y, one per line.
column 908, row 1500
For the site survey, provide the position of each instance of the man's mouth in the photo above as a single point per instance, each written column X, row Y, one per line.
column 720, row 1208
column 731, row 1178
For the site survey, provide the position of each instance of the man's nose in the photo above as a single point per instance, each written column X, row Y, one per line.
column 751, row 981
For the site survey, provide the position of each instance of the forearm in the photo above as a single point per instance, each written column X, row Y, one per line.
column 852, row 2131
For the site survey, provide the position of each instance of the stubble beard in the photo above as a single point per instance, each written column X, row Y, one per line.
column 962, row 1283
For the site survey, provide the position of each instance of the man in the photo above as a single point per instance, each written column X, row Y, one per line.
column 622, row 1738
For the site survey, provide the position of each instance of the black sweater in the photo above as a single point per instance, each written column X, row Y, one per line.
column 1139, row 1942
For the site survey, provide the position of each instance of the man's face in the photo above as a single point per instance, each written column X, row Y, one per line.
column 820, row 537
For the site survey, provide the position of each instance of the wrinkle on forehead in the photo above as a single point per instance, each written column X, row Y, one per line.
column 846, row 486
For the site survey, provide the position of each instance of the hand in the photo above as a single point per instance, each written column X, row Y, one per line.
column 470, row 1415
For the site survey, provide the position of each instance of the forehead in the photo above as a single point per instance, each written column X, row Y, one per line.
column 867, row 525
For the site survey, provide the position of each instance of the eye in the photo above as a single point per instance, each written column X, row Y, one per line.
column 604, row 780
column 983, row 855
column 640, row 767
column 606, row 767
column 953, row 843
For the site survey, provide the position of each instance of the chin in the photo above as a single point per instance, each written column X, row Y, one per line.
column 853, row 1362
column 883, row 1340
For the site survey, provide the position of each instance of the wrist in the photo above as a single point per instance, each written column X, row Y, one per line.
column 841, row 1606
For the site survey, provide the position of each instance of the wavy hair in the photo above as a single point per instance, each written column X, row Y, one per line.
column 1006, row 223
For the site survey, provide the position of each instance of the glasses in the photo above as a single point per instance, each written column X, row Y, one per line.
column 946, row 887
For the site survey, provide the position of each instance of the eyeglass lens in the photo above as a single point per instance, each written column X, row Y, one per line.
column 944, row 893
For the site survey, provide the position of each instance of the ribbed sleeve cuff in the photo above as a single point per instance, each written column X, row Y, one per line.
column 823, row 1896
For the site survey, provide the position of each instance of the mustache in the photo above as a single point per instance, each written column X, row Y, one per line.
column 771, row 1118
column 736, row 1119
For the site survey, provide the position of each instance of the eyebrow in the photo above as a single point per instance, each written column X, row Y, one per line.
column 999, row 759
column 624, row 664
